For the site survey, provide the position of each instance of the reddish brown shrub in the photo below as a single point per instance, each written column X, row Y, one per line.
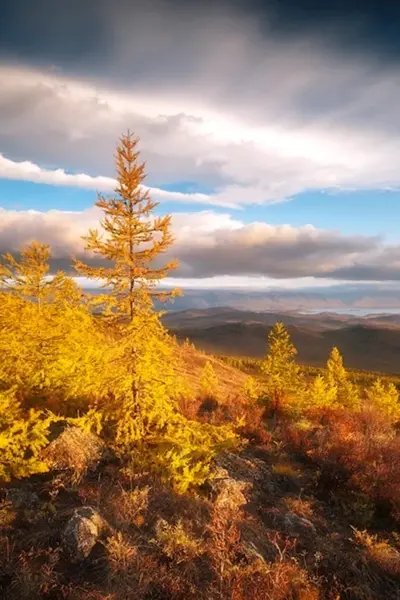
column 362, row 449
column 277, row 581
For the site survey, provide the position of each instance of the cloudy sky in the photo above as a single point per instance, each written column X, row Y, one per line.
column 271, row 131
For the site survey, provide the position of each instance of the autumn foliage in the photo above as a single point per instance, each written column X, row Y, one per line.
column 107, row 360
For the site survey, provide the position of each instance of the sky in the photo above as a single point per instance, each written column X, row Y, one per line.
column 270, row 131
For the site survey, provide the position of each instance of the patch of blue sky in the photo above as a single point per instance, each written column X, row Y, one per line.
column 25, row 195
column 359, row 212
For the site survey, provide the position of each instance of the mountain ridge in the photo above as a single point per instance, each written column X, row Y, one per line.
column 244, row 333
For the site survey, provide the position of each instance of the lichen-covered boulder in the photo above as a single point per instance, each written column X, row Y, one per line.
column 296, row 525
column 22, row 498
column 82, row 532
column 73, row 449
column 228, row 494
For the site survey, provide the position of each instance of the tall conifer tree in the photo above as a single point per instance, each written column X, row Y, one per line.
column 337, row 377
column 129, row 248
column 279, row 366
column 132, row 240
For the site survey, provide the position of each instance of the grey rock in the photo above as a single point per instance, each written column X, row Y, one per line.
column 245, row 468
column 296, row 525
column 82, row 532
column 255, row 545
column 20, row 498
column 226, row 492
column 248, row 469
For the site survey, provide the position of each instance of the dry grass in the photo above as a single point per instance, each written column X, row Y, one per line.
column 7, row 516
column 360, row 449
column 230, row 380
column 282, row 580
column 285, row 470
column 35, row 574
column 129, row 507
column 121, row 553
column 301, row 507
column 228, row 402
column 382, row 553
column 177, row 542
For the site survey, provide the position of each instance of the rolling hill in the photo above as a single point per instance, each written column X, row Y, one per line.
column 366, row 343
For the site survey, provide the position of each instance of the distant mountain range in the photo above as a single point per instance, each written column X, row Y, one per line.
column 334, row 297
column 237, row 322
column 370, row 343
column 338, row 297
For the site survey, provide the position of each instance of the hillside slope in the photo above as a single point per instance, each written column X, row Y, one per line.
column 268, row 526
column 230, row 380
column 358, row 343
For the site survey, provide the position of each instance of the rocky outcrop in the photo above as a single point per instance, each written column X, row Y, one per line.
column 295, row 525
column 82, row 532
column 73, row 449
column 228, row 494
column 253, row 473
column 22, row 498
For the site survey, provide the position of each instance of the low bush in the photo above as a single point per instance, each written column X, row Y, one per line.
column 362, row 449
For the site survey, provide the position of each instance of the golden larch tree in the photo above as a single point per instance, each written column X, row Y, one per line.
column 131, row 240
column 49, row 342
column 385, row 398
column 208, row 381
column 347, row 394
column 29, row 278
column 129, row 248
column 280, row 368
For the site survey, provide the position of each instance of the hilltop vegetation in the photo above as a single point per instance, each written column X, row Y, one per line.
column 134, row 466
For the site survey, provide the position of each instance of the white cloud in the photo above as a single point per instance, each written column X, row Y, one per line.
column 280, row 135
column 210, row 245
column 28, row 171
column 243, row 282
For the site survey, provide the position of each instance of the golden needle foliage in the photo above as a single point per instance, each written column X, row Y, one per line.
column 113, row 372
column 346, row 393
column 49, row 343
column 142, row 379
column 289, row 392
column 385, row 398
column 282, row 380
column 22, row 436
column 131, row 240
column 208, row 381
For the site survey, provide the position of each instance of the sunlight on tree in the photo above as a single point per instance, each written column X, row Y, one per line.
column 279, row 367
column 22, row 436
column 208, row 381
column 319, row 394
column 346, row 393
column 385, row 398
column 131, row 240
column 251, row 389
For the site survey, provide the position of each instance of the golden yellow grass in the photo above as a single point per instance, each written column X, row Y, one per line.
column 230, row 380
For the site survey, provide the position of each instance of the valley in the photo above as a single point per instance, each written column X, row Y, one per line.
column 233, row 332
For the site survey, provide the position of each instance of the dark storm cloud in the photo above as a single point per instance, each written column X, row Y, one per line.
column 370, row 25
column 303, row 109
column 51, row 30
column 382, row 266
column 278, row 252
column 78, row 32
